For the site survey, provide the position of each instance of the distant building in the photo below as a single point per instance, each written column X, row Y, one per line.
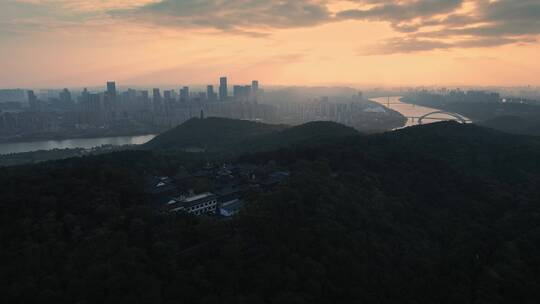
column 241, row 93
column 237, row 91
column 184, row 94
column 210, row 94
column 255, row 86
column 33, row 102
column 111, row 101
column 167, row 94
column 65, row 98
column 161, row 189
column 223, row 89
column 12, row 95
column 156, row 100
column 205, row 203
column 111, row 89
column 231, row 208
column 144, row 100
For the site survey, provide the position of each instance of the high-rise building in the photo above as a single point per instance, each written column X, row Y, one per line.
column 96, row 115
column 65, row 95
column 65, row 99
column 255, row 86
column 210, row 95
column 9, row 95
column 111, row 88
column 247, row 91
column 237, row 92
column 184, row 94
column 33, row 102
column 242, row 93
column 167, row 94
column 156, row 100
column 156, row 95
column 111, row 101
column 223, row 90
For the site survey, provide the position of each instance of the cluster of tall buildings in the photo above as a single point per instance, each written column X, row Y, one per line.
column 167, row 107
column 129, row 109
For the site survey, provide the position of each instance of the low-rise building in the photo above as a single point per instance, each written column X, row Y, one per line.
column 204, row 203
column 231, row 207
column 160, row 188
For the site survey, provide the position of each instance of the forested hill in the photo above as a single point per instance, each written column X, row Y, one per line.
column 236, row 136
column 210, row 133
column 440, row 213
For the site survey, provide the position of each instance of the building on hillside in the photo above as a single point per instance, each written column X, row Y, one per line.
column 205, row 203
column 161, row 188
column 231, row 208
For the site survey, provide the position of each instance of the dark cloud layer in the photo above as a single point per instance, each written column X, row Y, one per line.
column 441, row 25
column 420, row 25
column 243, row 16
column 401, row 14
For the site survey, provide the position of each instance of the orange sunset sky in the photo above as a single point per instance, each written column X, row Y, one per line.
column 63, row 43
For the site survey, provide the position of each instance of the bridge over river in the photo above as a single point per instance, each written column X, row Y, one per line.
column 417, row 115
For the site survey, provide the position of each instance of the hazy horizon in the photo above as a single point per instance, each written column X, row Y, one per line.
column 77, row 43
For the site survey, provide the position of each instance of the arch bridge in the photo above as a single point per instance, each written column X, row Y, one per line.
column 457, row 117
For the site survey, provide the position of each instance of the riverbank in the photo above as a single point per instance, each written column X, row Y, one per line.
column 38, row 137
column 412, row 111
column 14, row 159
column 73, row 143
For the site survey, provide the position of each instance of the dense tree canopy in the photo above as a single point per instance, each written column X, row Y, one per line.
column 442, row 213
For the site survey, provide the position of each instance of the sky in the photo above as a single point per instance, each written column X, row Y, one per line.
column 73, row 43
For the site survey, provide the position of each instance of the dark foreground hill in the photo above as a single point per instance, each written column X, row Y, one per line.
column 515, row 124
column 442, row 213
column 210, row 134
column 221, row 135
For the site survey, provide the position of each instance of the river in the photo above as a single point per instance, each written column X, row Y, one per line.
column 410, row 110
column 85, row 143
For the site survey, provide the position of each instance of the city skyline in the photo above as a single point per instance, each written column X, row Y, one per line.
column 76, row 43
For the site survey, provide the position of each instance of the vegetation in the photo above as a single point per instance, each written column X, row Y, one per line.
column 515, row 124
column 210, row 134
column 441, row 213
column 228, row 136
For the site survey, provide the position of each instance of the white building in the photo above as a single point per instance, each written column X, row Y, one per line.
column 204, row 203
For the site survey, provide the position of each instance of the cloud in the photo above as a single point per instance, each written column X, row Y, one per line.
column 88, row 5
column 412, row 45
column 419, row 25
column 432, row 25
column 400, row 14
column 234, row 16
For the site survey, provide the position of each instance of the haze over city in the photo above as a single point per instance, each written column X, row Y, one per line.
column 76, row 43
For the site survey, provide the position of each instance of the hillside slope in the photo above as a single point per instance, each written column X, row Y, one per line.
column 238, row 136
column 440, row 213
column 211, row 134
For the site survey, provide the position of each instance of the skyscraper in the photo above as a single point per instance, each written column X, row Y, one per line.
column 65, row 96
column 223, row 90
column 156, row 95
column 33, row 102
column 156, row 100
column 111, row 101
column 111, row 88
column 255, row 93
column 237, row 92
column 167, row 94
column 210, row 95
column 65, row 99
column 184, row 94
